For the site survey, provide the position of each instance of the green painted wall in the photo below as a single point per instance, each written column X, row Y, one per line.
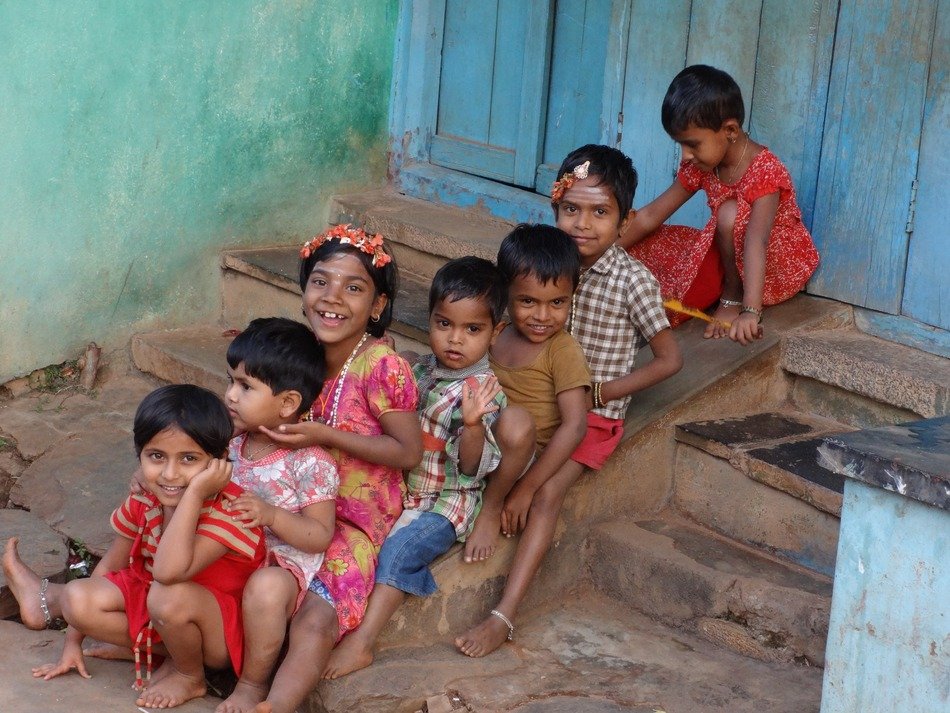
column 141, row 138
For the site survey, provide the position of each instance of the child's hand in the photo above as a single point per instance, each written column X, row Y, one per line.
column 253, row 511
column 71, row 658
column 298, row 435
column 514, row 515
column 745, row 328
column 476, row 402
column 213, row 479
column 137, row 484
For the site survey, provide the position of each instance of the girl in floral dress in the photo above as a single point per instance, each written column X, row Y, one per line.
column 366, row 418
column 754, row 251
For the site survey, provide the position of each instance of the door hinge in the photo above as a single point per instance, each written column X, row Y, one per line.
column 619, row 128
column 912, row 208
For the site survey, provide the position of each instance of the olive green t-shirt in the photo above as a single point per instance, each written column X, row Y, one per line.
column 558, row 367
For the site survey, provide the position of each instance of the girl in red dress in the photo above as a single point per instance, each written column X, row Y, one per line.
column 173, row 577
column 754, row 251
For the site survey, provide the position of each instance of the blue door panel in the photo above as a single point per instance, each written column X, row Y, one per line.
column 512, row 28
column 582, row 35
column 656, row 52
column 927, row 282
column 787, row 106
column 870, row 149
column 468, row 66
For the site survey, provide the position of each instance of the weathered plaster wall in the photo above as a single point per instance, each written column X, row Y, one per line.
column 139, row 139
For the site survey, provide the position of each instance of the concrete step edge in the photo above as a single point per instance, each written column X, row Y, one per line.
column 891, row 373
column 748, row 612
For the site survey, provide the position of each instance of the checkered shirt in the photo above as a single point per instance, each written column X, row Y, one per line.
column 617, row 309
column 436, row 484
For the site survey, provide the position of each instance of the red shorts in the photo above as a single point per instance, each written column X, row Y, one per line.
column 603, row 436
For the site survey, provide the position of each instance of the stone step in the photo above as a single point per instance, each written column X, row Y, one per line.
column 755, row 479
column 687, row 576
column 422, row 235
column 198, row 355
column 863, row 380
column 778, row 449
column 584, row 654
column 264, row 282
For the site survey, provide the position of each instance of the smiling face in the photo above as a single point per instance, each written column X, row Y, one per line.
column 539, row 311
column 339, row 301
column 253, row 403
column 461, row 332
column 589, row 213
column 706, row 148
column 169, row 462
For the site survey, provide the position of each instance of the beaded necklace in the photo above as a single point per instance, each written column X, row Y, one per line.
column 339, row 383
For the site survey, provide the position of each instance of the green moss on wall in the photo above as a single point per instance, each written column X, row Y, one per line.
column 142, row 138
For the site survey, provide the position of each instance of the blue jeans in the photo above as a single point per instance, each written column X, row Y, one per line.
column 409, row 550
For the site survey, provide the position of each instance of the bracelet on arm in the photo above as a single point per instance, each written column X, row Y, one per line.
column 729, row 303
column 595, row 394
column 752, row 310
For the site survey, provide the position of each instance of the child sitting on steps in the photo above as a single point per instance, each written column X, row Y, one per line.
column 462, row 410
column 754, row 251
column 275, row 371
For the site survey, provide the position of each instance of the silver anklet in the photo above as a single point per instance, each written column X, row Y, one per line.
column 44, row 607
column 511, row 627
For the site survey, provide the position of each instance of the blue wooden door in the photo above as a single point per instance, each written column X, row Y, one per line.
column 869, row 155
column 927, row 281
column 493, row 88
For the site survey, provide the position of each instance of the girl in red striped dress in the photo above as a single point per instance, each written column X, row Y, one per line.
column 754, row 251
column 171, row 581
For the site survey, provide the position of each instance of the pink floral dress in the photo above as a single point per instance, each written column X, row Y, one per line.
column 675, row 253
column 370, row 495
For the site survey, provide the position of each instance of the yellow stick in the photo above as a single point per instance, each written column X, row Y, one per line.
column 677, row 306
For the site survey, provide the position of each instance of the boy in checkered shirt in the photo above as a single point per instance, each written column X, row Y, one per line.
column 617, row 306
column 462, row 410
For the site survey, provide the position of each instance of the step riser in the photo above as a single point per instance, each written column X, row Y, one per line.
column 751, row 616
column 845, row 406
column 153, row 359
column 713, row 492
column 244, row 298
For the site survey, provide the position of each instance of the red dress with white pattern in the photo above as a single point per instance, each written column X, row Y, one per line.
column 675, row 254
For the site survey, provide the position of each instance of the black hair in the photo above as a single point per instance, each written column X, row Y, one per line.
column 194, row 410
column 282, row 353
column 546, row 252
column 614, row 167
column 385, row 279
column 470, row 278
column 701, row 96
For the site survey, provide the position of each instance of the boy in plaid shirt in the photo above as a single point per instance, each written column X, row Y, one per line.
column 459, row 403
column 616, row 308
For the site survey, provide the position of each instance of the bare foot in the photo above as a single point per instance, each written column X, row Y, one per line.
column 483, row 638
column 172, row 689
column 480, row 544
column 245, row 698
column 349, row 656
column 263, row 707
column 25, row 585
column 722, row 319
column 109, row 652
column 156, row 676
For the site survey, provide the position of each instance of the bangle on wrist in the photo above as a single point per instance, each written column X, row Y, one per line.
column 752, row 310
column 729, row 303
column 595, row 394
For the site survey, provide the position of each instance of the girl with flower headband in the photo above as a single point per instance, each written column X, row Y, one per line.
column 366, row 418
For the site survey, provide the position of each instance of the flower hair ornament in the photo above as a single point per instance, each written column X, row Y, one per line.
column 565, row 182
column 349, row 235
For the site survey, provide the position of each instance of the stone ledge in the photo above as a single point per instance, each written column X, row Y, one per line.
column 427, row 227
column 911, row 459
column 881, row 370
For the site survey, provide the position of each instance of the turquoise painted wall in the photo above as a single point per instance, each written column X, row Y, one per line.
column 139, row 139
